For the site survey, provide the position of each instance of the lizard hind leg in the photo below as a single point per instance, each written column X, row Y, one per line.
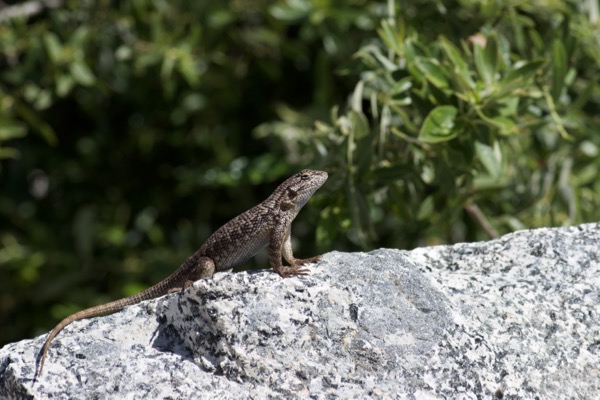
column 204, row 268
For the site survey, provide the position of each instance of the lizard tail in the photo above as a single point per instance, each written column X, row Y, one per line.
column 175, row 281
column 89, row 312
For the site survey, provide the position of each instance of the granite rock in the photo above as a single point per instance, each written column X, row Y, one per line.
column 513, row 318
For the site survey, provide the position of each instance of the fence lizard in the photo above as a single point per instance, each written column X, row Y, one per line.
column 268, row 223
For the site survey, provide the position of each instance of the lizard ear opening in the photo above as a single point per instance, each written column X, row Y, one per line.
column 288, row 204
column 292, row 194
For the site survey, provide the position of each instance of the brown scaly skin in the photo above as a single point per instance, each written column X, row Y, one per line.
column 268, row 223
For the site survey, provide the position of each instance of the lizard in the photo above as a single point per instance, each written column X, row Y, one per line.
column 266, row 224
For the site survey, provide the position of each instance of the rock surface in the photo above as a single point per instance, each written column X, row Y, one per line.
column 513, row 318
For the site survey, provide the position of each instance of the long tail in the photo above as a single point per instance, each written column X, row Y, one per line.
column 174, row 281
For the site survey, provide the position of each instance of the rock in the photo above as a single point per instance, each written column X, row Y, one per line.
column 513, row 318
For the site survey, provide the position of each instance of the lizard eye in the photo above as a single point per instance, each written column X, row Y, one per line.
column 304, row 177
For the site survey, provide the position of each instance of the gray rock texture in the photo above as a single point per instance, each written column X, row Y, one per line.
column 513, row 318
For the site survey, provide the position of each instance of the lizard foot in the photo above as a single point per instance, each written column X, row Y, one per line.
column 285, row 272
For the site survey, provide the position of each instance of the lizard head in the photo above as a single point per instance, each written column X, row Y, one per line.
column 297, row 189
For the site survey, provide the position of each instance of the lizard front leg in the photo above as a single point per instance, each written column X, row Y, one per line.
column 280, row 244
column 289, row 256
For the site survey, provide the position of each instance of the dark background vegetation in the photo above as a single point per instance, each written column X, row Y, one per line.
column 129, row 131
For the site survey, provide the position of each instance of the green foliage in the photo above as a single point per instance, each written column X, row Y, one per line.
column 473, row 127
column 129, row 131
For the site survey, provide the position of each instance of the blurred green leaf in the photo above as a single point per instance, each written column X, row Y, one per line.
column 378, row 57
column 187, row 68
column 391, row 37
column 290, row 11
column 53, row 47
column 515, row 79
column 81, row 73
column 439, row 125
column 360, row 125
column 504, row 125
column 33, row 119
column 11, row 130
column 559, row 68
column 9, row 153
column 458, row 63
column 426, row 208
column 64, row 84
column 414, row 49
column 168, row 65
column 523, row 72
column 486, row 59
column 401, row 86
column 490, row 157
column 433, row 72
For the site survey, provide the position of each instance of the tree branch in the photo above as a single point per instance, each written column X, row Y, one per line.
column 483, row 222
